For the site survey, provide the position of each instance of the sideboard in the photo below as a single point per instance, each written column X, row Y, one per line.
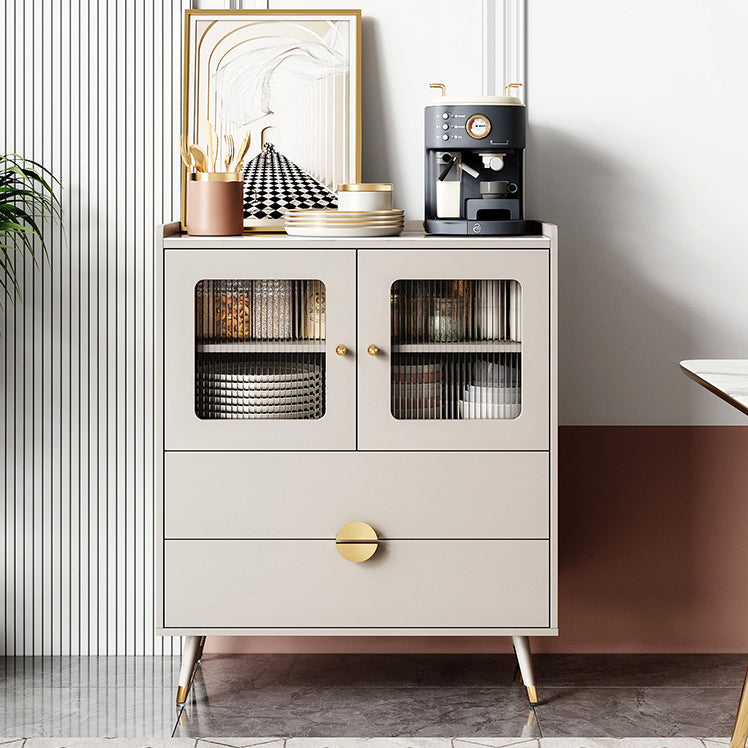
column 356, row 437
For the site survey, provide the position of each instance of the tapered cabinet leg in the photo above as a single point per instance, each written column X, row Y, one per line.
column 524, row 660
column 189, row 658
column 200, row 650
column 740, row 731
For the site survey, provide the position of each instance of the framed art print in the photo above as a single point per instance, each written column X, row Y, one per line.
column 291, row 80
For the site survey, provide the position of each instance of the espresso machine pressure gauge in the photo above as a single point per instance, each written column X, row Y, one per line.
column 478, row 126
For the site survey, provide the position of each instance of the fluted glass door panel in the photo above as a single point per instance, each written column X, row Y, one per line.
column 456, row 349
column 460, row 348
column 260, row 349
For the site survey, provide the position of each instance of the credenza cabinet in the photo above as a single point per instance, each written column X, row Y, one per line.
column 356, row 437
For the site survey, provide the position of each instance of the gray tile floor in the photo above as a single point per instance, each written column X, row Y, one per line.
column 420, row 696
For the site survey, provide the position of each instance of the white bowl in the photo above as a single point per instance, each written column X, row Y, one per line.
column 364, row 196
column 470, row 411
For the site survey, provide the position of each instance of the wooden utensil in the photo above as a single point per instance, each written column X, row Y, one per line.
column 198, row 155
column 243, row 148
column 186, row 158
column 212, row 145
column 228, row 145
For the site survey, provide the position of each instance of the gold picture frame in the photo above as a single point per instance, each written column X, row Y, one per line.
column 269, row 70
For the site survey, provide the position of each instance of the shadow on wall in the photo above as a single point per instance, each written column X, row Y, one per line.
column 621, row 336
column 377, row 162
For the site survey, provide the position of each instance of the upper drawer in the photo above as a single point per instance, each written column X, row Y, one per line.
column 403, row 495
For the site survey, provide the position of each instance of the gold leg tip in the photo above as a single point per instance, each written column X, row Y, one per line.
column 532, row 695
column 182, row 692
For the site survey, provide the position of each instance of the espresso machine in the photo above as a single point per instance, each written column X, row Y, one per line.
column 475, row 166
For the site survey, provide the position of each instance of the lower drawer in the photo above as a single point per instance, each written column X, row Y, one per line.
column 306, row 584
column 313, row 494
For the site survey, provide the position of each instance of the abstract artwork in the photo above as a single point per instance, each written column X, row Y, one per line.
column 290, row 78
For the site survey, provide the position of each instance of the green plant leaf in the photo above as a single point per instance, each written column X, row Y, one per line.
column 29, row 207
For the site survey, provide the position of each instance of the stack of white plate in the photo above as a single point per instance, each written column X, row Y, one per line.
column 331, row 222
column 491, row 402
column 279, row 391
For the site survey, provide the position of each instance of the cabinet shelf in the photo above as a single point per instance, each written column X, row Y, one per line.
column 263, row 346
column 473, row 346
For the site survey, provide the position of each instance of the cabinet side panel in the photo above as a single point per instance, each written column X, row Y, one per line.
column 551, row 231
column 158, row 423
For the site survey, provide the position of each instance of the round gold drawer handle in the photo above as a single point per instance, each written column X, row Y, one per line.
column 341, row 350
column 356, row 542
column 372, row 350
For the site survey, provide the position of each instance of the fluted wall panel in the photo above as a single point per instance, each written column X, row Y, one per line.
column 92, row 90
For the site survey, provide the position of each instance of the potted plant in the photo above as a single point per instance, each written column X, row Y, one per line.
column 27, row 199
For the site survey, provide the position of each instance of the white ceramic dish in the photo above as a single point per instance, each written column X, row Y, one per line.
column 345, row 213
column 270, row 379
column 491, row 396
column 261, row 397
column 329, row 231
column 489, row 412
column 228, row 414
column 230, row 407
column 364, row 196
column 344, row 222
column 353, row 226
column 312, row 225
column 264, row 389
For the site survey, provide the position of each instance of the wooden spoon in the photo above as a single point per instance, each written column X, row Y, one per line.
column 198, row 154
column 243, row 148
column 186, row 158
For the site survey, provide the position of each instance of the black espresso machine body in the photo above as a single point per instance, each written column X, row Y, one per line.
column 475, row 168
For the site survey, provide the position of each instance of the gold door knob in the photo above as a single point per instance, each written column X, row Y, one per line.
column 341, row 350
column 373, row 350
column 356, row 541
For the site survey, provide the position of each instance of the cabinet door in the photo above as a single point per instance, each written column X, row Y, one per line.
column 250, row 340
column 459, row 343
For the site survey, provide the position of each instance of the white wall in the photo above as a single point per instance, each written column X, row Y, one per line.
column 638, row 150
column 406, row 46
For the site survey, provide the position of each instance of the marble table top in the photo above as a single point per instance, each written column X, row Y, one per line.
column 726, row 378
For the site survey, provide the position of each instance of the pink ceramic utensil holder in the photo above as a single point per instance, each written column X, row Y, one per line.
column 214, row 204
